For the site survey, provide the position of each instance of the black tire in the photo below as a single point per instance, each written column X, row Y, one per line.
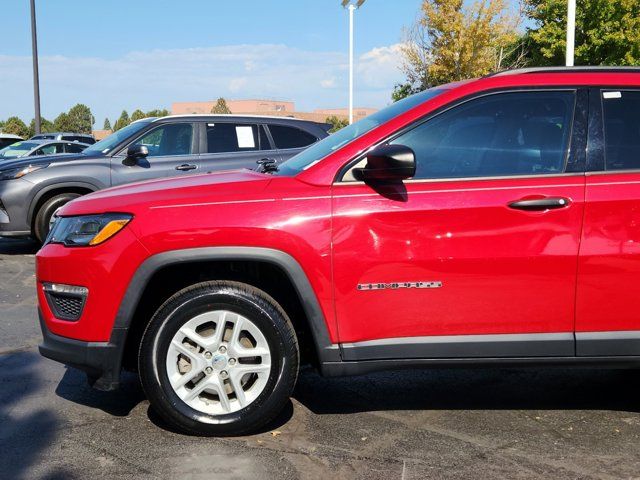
column 46, row 211
column 239, row 298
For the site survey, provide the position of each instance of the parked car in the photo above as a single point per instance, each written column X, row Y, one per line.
column 7, row 139
column 31, row 190
column 31, row 148
column 69, row 136
column 489, row 222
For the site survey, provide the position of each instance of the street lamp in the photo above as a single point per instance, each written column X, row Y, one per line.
column 351, row 5
column 36, row 81
column 571, row 31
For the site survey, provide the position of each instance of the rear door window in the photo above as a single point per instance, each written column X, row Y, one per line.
column 621, row 113
column 290, row 137
column 224, row 137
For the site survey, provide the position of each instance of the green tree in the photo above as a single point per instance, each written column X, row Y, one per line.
column 63, row 123
column 221, row 108
column 15, row 126
column 607, row 32
column 122, row 122
column 402, row 90
column 454, row 40
column 45, row 126
column 81, row 118
column 157, row 113
column 138, row 115
column 337, row 123
column 106, row 125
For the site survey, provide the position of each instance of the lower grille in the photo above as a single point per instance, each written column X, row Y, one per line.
column 67, row 307
column 66, row 302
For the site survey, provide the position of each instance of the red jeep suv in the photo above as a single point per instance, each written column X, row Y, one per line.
column 488, row 222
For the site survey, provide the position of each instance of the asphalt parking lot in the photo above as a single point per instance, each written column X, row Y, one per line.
column 495, row 424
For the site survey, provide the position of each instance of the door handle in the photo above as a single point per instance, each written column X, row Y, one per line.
column 185, row 167
column 537, row 204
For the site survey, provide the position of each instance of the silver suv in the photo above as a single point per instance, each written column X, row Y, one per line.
column 33, row 188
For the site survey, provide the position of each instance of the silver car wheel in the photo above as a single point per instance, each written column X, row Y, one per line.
column 218, row 362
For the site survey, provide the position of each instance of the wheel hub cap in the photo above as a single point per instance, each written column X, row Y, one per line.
column 219, row 362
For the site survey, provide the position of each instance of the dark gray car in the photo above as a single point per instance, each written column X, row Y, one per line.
column 32, row 148
column 33, row 188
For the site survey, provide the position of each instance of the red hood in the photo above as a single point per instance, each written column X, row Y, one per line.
column 135, row 196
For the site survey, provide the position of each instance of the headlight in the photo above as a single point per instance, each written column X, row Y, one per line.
column 87, row 230
column 19, row 172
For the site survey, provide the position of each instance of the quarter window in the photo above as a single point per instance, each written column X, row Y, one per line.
column 170, row 139
column 290, row 137
column 516, row 133
column 621, row 112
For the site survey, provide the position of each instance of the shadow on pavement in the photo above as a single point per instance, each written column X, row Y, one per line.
column 282, row 419
column 119, row 403
column 450, row 389
column 18, row 246
column 486, row 389
column 25, row 434
column 74, row 387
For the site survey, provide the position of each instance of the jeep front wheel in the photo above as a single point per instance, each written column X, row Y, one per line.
column 219, row 358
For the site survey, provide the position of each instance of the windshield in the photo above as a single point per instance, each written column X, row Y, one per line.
column 113, row 140
column 17, row 150
column 317, row 152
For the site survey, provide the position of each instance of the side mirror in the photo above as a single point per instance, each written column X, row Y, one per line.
column 387, row 163
column 135, row 152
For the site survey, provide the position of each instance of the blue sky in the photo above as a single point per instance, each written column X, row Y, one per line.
column 146, row 54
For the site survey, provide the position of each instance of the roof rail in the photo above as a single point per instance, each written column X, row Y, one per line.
column 578, row 69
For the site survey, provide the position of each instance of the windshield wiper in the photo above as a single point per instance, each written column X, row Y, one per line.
column 267, row 165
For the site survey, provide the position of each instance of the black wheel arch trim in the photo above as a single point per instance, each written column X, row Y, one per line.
column 55, row 186
column 327, row 351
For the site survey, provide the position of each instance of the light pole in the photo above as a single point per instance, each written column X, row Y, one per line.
column 351, row 5
column 36, row 81
column 571, row 31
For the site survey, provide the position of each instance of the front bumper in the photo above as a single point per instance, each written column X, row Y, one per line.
column 100, row 360
column 14, row 208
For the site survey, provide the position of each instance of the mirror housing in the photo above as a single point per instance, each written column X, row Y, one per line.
column 387, row 163
column 135, row 152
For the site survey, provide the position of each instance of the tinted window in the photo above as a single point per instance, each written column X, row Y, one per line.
column 7, row 141
column 520, row 133
column 265, row 144
column 171, row 139
column 621, row 111
column 74, row 148
column 290, row 137
column 77, row 138
column 231, row 137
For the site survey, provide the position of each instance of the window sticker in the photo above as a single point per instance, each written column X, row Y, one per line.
column 245, row 137
column 611, row 94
